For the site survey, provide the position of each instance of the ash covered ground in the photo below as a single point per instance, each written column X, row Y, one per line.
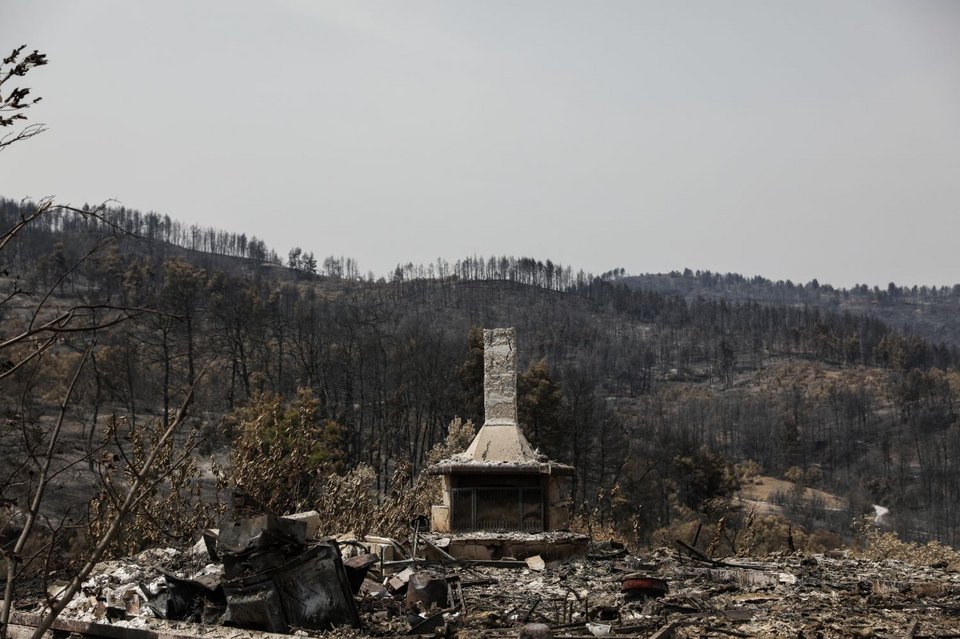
column 782, row 595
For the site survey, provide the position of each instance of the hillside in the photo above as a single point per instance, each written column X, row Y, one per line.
column 927, row 311
column 663, row 401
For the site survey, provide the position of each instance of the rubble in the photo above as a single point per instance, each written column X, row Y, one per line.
column 427, row 590
column 272, row 578
column 659, row 593
column 357, row 568
column 276, row 581
column 398, row 582
column 536, row 563
column 551, row 546
column 498, row 562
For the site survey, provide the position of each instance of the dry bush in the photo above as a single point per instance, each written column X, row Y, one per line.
column 747, row 470
column 732, row 531
column 176, row 505
column 718, row 520
column 821, row 540
column 765, row 534
column 459, row 435
column 685, row 530
column 350, row 503
column 813, row 476
column 717, row 538
column 282, row 454
column 795, row 474
column 877, row 546
column 606, row 517
column 703, row 476
column 279, row 469
column 607, row 531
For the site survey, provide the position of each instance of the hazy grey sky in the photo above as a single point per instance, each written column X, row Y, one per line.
column 789, row 139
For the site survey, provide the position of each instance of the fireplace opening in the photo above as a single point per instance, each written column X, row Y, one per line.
column 489, row 509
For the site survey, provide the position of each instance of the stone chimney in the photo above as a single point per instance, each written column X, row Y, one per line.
column 499, row 377
column 500, row 439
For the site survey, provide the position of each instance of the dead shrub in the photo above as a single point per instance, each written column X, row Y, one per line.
column 876, row 546
column 747, row 470
column 821, row 540
column 350, row 502
column 176, row 505
column 282, row 454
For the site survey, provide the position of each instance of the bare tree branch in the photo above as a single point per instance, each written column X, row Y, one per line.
column 50, row 290
column 13, row 558
column 25, row 134
column 133, row 496
column 14, row 102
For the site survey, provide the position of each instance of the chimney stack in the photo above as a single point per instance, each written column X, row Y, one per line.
column 499, row 376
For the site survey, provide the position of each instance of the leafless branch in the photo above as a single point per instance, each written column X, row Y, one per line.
column 61, row 323
column 78, row 460
column 41, row 486
column 50, row 290
column 24, row 134
column 132, row 498
column 38, row 352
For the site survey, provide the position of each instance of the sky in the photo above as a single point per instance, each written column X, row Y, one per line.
column 793, row 140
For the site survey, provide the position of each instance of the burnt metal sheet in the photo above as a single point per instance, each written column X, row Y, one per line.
column 196, row 600
column 636, row 585
column 309, row 591
column 255, row 606
column 427, row 590
column 250, row 564
column 266, row 531
column 357, row 569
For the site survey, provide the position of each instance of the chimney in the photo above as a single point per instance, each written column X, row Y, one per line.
column 499, row 376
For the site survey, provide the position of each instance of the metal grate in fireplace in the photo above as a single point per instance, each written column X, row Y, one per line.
column 497, row 509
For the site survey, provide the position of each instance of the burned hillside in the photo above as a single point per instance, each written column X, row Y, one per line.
column 609, row 377
column 634, row 415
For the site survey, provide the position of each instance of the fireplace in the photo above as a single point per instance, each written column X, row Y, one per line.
column 500, row 483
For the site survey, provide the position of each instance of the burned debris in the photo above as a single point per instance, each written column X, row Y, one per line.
column 276, row 581
column 660, row 593
column 258, row 574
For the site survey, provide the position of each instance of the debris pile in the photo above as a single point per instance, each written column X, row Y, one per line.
column 272, row 579
column 267, row 574
column 275, row 581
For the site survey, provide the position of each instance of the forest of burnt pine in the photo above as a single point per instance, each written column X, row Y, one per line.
column 666, row 402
